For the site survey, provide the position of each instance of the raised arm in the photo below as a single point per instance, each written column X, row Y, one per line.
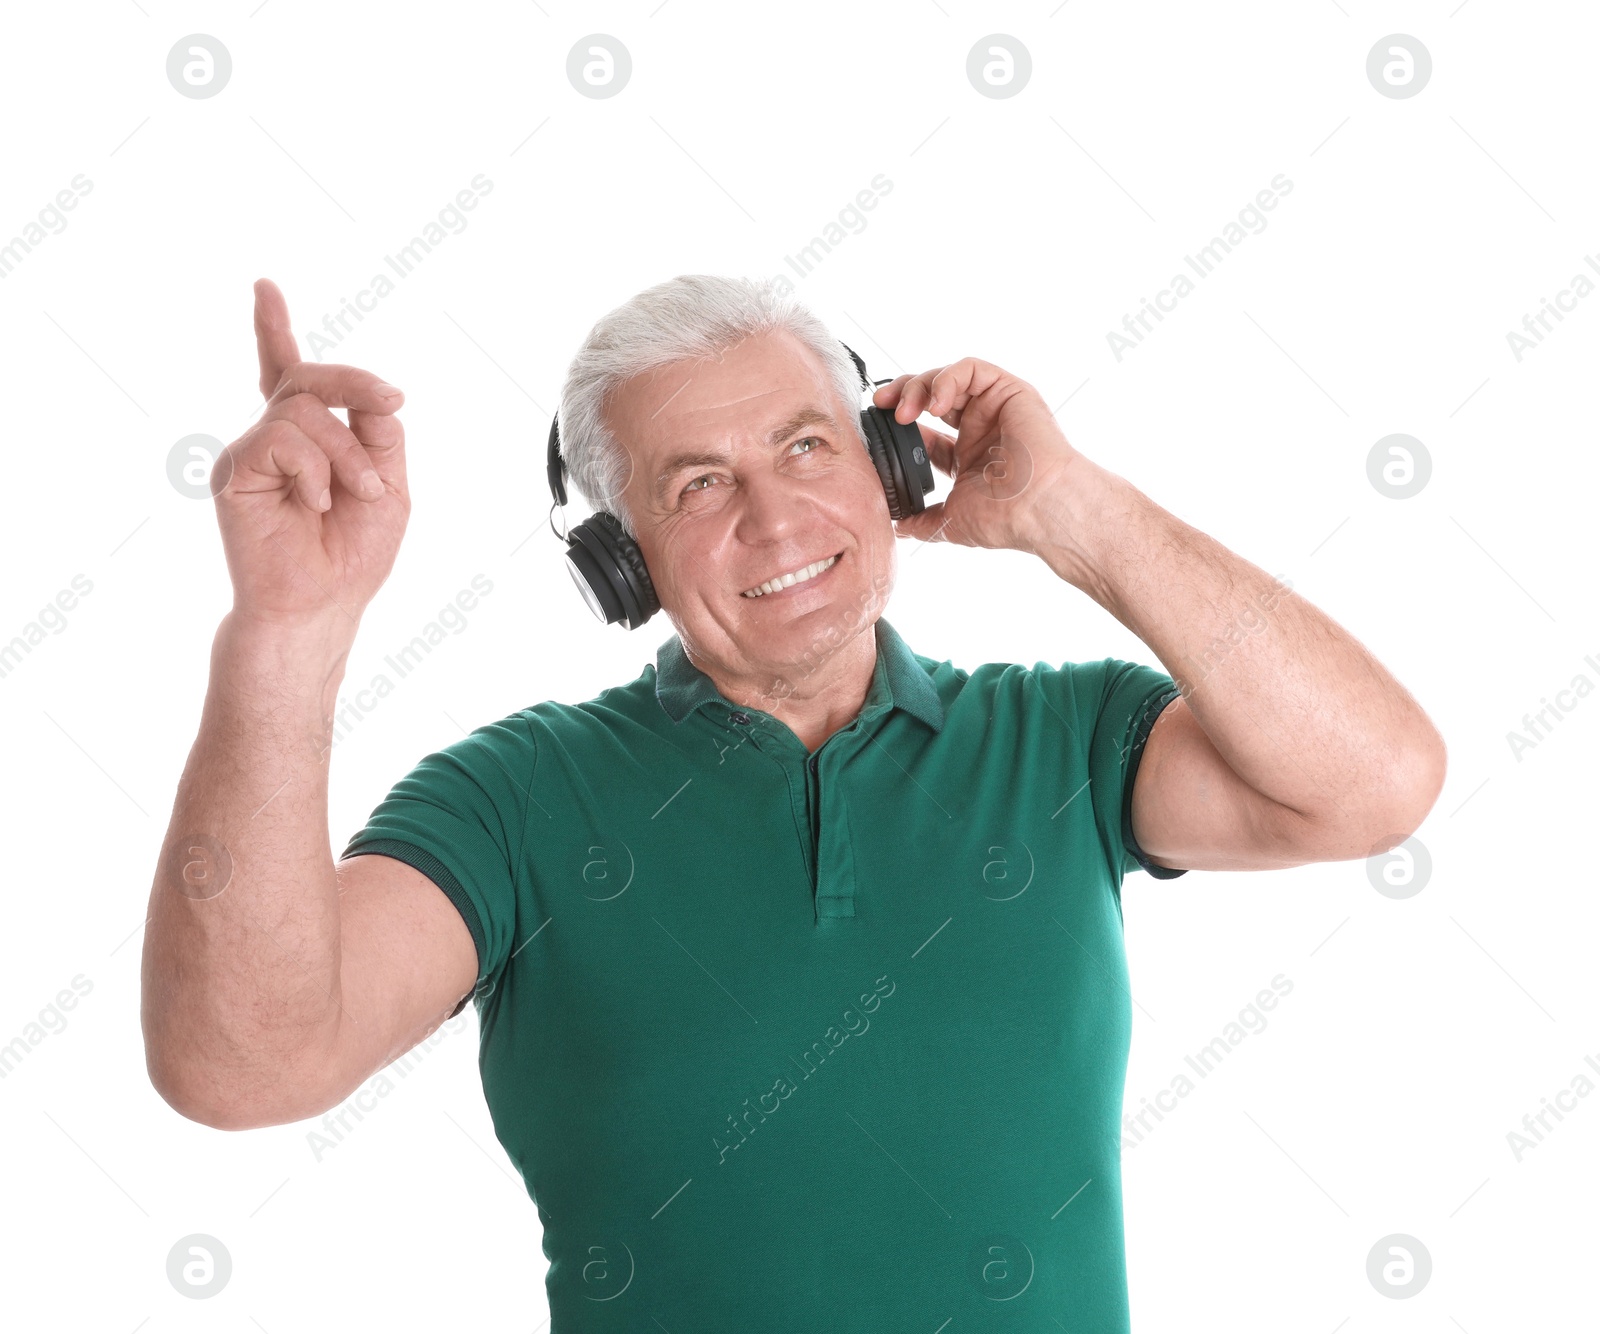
column 1291, row 744
column 273, row 981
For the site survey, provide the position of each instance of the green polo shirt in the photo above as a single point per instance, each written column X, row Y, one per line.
column 805, row 1042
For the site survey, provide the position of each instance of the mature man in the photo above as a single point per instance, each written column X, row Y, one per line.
column 798, row 960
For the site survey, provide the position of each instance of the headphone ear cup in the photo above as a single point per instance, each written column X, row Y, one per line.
column 901, row 459
column 609, row 570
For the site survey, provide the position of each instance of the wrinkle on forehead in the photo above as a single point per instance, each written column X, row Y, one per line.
column 726, row 403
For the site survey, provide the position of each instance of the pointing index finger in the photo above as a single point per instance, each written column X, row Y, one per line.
column 275, row 345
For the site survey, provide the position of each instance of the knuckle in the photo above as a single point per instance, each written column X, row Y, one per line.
column 277, row 432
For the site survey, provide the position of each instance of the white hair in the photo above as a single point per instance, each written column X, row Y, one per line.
column 691, row 316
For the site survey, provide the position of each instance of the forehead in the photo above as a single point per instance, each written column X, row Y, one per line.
column 722, row 401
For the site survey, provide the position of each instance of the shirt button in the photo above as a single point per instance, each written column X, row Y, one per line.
column 739, row 717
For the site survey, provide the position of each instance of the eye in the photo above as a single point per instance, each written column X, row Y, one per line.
column 805, row 439
column 692, row 487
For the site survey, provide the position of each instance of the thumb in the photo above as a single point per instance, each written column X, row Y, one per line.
column 926, row 527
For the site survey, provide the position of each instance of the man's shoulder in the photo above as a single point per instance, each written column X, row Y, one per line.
column 1025, row 695
column 627, row 704
column 1014, row 677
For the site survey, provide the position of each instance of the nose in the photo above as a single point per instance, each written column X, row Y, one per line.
column 770, row 509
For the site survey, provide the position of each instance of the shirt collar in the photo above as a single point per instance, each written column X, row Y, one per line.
column 898, row 680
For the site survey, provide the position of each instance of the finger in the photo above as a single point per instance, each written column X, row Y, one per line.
column 927, row 526
column 914, row 395
column 338, row 386
column 275, row 346
column 277, row 453
column 383, row 437
column 338, row 442
column 941, row 449
column 951, row 388
column 887, row 395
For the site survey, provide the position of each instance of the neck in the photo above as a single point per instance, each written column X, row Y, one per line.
column 824, row 699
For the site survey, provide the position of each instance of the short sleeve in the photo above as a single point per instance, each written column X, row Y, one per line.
column 1132, row 699
column 458, row 817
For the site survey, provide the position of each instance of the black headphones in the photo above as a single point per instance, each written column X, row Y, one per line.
column 608, row 567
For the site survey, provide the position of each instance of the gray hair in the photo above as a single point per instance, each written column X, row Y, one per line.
column 687, row 317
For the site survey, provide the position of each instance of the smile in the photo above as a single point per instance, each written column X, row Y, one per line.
column 782, row 581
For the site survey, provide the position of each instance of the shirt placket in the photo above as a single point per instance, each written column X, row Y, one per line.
column 836, row 865
column 817, row 789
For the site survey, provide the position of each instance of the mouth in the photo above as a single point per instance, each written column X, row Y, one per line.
column 804, row 576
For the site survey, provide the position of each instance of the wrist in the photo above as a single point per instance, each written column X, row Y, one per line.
column 1073, row 523
column 284, row 657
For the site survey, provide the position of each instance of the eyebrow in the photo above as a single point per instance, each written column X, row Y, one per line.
column 807, row 416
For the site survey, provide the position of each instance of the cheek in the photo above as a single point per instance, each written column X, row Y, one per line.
column 687, row 558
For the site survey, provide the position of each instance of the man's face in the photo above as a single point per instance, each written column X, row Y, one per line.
column 744, row 469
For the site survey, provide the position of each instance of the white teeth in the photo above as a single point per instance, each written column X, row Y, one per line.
column 785, row 580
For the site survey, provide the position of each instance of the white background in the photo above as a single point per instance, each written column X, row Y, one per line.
column 1418, row 232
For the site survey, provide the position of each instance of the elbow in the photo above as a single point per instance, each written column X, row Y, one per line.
column 1386, row 808
column 1407, row 793
column 199, row 1095
column 190, row 1097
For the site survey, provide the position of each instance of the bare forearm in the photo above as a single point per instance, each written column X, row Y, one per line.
column 1294, row 704
column 241, row 954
